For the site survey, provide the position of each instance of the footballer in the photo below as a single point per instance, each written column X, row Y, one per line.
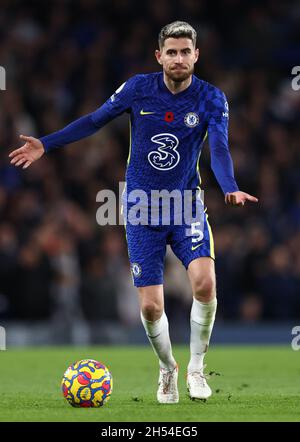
column 171, row 113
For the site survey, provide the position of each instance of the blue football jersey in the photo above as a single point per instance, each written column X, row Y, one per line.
column 167, row 132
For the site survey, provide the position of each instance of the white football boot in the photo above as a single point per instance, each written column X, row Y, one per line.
column 197, row 385
column 167, row 392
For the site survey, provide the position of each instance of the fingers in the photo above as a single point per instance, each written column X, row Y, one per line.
column 17, row 158
column 16, row 152
column 23, row 137
column 235, row 199
column 21, row 161
column 230, row 198
column 20, row 149
column 238, row 203
column 26, row 164
column 20, row 156
column 252, row 198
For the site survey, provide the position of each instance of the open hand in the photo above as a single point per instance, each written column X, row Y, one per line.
column 31, row 151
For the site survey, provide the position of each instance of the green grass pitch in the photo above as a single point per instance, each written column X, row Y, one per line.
column 249, row 384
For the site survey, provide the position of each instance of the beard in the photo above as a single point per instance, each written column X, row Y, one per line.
column 179, row 75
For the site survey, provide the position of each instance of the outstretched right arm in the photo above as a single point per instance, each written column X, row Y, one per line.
column 34, row 148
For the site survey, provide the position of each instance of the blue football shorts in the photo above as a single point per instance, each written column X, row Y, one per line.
column 147, row 248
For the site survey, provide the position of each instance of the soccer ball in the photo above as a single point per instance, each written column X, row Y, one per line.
column 87, row 383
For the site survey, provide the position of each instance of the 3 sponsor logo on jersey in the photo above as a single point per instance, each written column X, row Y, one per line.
column 165, row 156
column 191, row 119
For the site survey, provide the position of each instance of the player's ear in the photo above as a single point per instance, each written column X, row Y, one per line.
column 196, row 55
column 158, row 56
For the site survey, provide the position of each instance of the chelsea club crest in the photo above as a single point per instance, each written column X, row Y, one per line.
column 191, row 119
column 136, row 270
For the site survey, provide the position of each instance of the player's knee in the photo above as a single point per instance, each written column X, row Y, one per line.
column 151, row 310
column 205, row 289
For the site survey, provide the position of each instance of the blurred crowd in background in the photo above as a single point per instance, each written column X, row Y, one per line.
column 62, row 60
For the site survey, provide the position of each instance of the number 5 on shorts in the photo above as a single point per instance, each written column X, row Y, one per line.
column 196, row 232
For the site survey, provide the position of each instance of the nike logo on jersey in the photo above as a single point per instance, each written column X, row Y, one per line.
column 146, row 113
column 196, row 247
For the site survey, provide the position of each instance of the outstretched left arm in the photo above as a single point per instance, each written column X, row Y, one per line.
column 221, row 161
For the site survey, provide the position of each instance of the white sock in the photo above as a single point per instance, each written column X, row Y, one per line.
column 158, row 335
column 202, row 322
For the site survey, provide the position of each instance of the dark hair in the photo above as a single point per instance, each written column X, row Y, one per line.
column 177, row 29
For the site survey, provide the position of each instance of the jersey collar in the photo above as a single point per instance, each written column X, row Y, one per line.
column 168, row 93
